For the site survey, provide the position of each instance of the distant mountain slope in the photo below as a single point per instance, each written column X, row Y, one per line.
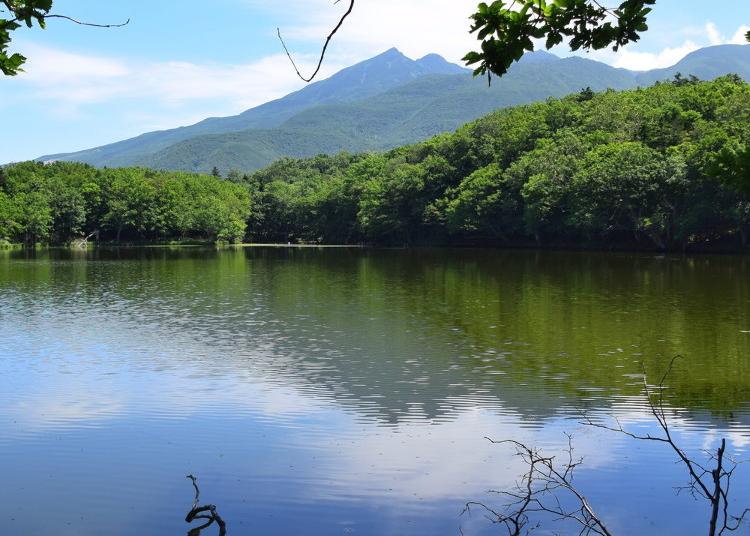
column 706, row 63
column 384, row 102
column 403, row 115
column 371, row 77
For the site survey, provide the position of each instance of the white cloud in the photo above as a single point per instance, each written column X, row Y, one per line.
column 645, row 61
column 714, row 35
column 417, row 27
column 70, row 81
column 634, row 58
column 739, row 38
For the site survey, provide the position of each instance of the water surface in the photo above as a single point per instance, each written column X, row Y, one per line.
column 348, row 391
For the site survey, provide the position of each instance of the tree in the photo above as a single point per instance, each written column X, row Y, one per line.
column 392, row 203
column 487, row 201
column 17, row 13
column 8, row 217
column 507, row 29
column 35, row 216
column 68, row 210
column 619, row 189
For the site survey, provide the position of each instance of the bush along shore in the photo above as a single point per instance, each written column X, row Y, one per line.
column 666, row 167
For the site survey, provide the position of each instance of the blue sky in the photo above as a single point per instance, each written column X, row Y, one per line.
column 180, row 61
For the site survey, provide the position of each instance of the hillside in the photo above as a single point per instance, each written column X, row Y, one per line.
column 667, row 167
column 411, row 101
column 406, row 114
column 376, row 75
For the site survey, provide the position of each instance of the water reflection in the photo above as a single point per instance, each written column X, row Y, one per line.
column 349, row 391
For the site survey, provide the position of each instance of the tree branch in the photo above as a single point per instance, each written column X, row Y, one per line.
column 82, row 23
column 325, row 46
column 538, row 491
column 207, row 512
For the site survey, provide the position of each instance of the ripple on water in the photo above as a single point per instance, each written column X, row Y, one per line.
column 338, row 391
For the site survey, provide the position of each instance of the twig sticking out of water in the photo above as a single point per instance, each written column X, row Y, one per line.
column 539, row 490
column 207, row 512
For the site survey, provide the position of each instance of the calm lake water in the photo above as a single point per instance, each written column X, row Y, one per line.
column 347, row 391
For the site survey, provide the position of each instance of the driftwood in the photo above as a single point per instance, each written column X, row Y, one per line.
column 207, row 512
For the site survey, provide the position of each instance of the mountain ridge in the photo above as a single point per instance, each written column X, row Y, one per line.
column 375, row 75
column 422, row 98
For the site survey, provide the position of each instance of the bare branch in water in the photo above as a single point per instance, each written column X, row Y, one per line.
column 207, row 512
column 538, row 493
column 540, row 488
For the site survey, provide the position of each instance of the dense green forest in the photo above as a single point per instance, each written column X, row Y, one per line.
column 665, row 167
column 60, row 202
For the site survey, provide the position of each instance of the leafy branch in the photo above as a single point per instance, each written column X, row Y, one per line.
column 27, row 13
column 507, row 29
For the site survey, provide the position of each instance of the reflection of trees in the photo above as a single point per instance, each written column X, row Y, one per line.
column 419, row 333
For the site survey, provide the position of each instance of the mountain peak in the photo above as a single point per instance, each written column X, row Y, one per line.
column 432, row 58
column 538, row 56
column 436, row 64
column 393, row 51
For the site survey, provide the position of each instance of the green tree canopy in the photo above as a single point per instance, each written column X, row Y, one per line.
column 18, row 13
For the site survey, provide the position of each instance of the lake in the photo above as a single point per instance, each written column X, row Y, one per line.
column 349, row 391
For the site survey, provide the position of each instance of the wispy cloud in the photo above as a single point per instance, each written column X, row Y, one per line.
column 630, row 57
column 71, row 81
column 416, row 27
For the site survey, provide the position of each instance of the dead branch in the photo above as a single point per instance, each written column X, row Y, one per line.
column 538, row 493
column 710, row 484
column 325, row 46
column 207, row 512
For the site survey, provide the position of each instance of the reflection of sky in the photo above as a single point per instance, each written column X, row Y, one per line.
column 272, row 456
column 99, row 430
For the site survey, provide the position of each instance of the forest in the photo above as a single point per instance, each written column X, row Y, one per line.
column 665, row 167
column 57, row 203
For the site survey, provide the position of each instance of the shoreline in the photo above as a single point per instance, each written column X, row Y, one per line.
column 705, row 250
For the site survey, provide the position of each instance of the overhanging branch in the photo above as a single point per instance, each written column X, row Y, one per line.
column 325, row 46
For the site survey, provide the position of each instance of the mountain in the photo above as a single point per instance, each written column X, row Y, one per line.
column 384, row 102
column 412, row 112
column 376, row 75
column 706, row 63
